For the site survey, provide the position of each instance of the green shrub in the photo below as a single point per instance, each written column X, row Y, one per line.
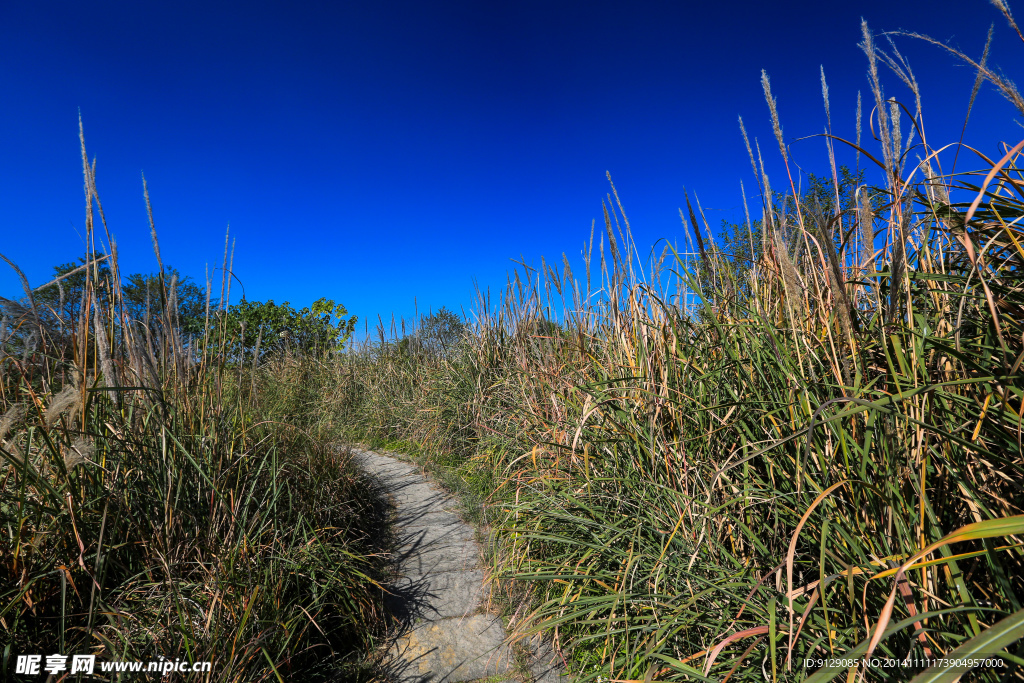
column 158, row 498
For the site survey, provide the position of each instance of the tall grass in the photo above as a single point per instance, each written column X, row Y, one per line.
column 714, row 468
column 160, row 498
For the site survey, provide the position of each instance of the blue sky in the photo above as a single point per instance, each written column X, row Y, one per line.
column 384, row 152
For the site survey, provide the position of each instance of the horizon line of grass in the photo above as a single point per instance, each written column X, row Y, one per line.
column 706, row 467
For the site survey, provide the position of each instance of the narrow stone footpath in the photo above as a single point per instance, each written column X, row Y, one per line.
column 444, row 634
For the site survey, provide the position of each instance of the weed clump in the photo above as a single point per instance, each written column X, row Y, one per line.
column 716, row 466
column 165, row 497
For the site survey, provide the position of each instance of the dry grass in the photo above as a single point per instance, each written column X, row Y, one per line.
column 158, row 499
column 709, row 468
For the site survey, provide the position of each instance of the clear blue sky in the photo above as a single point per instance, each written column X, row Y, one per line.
column 379, row 151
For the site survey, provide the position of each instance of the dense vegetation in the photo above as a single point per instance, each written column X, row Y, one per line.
column 800, row 441
column 165, row 489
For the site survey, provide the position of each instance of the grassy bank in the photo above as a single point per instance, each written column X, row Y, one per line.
column 162, row 497
column 800, row 442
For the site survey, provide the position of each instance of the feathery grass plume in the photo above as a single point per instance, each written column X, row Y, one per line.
column 110, row 378
column 79, row 453
column 866, row 221
column 981, row 72
column 589, row 253
column 69, row 398
column 6, row 333
column 750, row 228
column 165, row 355
column 152, row 226
column 171, row 321
column 206, row 308
column 117, row 291
column 1005, row 86
column 222, row 304
column 938, row 192
column 899, row 65
column 612, row 244
column 773, row 108
column 897, row 282
column 1004, row 7
column 979, row 78
column 14, row 414
column 230, row 273
column 627, row 235
column 750, row 152
column 894, row 118
column 765, row 183
column 790, row 276
column 696, row 230
column 824, row 96
column 889, row 154
column 859, row 111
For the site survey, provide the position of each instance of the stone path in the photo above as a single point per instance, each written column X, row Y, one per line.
column 445, row 636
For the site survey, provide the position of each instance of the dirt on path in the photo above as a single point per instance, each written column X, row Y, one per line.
column 443, row 634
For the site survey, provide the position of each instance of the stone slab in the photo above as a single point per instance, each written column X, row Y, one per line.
column 451, row 651
column 409, row 508
column 416, row 493
column 410, row 518
column 437, row 596
column 396, row 478
column 545, row 664
column 441, row 636
column 433, row 536
column 381, row 463
column 454, row 557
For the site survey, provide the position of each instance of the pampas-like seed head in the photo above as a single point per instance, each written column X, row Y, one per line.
column 79, row 453
column 790, row 276
column 67, row 399
column 866, row 219
column 773, row 108
column 14, row 414
column 859, row 110
column 936, row 188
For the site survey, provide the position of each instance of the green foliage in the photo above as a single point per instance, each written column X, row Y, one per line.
column 437, row 334
column 264, row 327
column 158, row 500
column 142, row 297
column 742, row 246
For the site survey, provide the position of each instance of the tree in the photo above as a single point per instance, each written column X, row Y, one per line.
column 437, row 335
column 142, row 295
column 742, row 246
column 60, row 300
column 57, row 305
column 272, row 327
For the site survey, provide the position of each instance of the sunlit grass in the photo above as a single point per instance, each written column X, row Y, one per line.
column 705, row 466
column 159, row 498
